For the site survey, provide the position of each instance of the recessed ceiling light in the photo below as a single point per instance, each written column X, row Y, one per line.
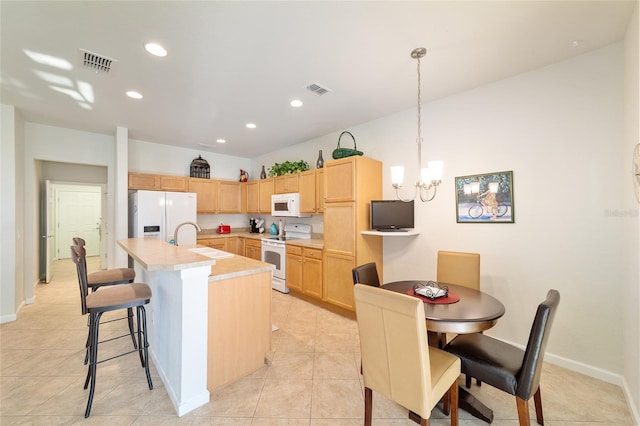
column 155, row 49
column 221, row 141
column 250, row 126
column 133, row 94
column 296, row 103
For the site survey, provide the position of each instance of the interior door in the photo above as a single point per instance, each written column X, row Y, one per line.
column 78, row 215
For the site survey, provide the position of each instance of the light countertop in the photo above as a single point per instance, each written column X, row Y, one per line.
column 156, row 255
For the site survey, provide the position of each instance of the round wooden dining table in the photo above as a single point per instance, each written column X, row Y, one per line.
column 473, row 313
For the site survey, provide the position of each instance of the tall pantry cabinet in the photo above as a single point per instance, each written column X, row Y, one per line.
column 349, row 185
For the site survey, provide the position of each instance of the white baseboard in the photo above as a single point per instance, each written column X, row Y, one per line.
column 591, row 371
column 8, row 318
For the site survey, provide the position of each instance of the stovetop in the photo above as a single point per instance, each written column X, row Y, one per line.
column 293, row 231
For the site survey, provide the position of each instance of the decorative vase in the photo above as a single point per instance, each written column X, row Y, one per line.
column 320, row 161
column 263, row 174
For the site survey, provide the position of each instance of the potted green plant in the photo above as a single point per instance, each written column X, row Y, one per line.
column 279, row 169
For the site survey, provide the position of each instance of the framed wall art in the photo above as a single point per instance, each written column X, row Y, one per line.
column 486, row 198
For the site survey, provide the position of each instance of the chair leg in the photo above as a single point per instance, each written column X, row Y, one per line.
column 93, row 360
column 454, row 401
column 523, row 411
column 131, row 330
column 537, row 400
column 368, row 407
column 144, row 343
column 467, row 381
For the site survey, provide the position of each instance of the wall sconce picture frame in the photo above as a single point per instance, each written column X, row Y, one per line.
column 486, row 198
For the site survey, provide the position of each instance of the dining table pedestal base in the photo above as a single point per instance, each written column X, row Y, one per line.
column 468, row 403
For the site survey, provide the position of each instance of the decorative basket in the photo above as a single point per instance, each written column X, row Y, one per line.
column 346, row 152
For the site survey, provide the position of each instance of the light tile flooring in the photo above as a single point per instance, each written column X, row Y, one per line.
column 312, row 376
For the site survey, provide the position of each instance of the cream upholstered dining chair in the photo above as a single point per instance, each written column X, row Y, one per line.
column 507, row 367
column 397, row 361
column 459, row 268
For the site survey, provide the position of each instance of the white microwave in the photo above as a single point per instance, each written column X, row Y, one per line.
column 286, row 205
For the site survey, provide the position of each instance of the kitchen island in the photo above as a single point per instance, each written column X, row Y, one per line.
column 209, row 320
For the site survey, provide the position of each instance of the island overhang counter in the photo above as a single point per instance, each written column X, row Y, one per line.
column 209, row 320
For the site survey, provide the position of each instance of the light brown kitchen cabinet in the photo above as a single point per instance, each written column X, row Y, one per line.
column 216, row 243
column 253, row 248
column 294, row 268
column 207, row 194
column 253, row 196
column 153, row 182
column 174, row 183
column 229, row 197
column 304, row 270
column 307, row 186
column 319, row 190
column 286, row 184
column 235, row 245
column 349, row 185
column 266, row 191
column 312, row 272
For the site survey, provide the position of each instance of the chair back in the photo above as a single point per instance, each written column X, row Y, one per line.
column 78, row 256
column 459, row 268
column 366, row 274
column 529, row 378
column 77, row 241
column 394, row 347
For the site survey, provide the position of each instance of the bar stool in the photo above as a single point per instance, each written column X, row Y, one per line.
column 122, row 296
column 108, row 277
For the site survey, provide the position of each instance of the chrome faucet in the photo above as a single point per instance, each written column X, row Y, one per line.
column 175, row 233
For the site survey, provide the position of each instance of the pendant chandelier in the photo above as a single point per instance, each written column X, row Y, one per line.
column 429, row 177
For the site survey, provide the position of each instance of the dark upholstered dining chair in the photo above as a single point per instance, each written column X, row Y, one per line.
column 507, row 367
column 397, row 360
column 366, row 274
column 123, row 296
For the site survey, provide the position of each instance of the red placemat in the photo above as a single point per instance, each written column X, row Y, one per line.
column 450, row 298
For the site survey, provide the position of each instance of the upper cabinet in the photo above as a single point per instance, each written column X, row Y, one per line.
column 153, row 182
column 207, row 191
column 340, row 180
column 229, row 197
column 266, row 191
column 286, row 184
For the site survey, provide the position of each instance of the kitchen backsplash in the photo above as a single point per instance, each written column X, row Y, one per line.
column 211, row 221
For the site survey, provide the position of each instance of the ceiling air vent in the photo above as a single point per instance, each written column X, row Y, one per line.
column 318, row 89
column 99, row 63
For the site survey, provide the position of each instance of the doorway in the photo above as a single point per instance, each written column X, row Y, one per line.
column 73, row 210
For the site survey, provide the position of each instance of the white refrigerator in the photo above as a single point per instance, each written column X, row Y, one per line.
column 156, row 214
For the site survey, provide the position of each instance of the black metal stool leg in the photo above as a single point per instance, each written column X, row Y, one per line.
column 145, row 343
column 131, row 330
column 93, row 360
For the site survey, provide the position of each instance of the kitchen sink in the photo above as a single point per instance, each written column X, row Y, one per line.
column 211, row 252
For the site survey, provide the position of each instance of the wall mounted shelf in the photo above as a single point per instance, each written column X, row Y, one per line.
column 410, row 233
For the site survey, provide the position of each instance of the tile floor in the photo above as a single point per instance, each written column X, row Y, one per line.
column 312, row 376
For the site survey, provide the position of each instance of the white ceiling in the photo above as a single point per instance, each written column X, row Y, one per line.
column 234, row 62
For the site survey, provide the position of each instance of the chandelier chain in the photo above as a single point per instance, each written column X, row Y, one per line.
column 419, row 111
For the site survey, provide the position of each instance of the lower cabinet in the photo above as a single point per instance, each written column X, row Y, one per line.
column 235, row 245
column 253, row 249
column 338, row 276
column 216, row 243
column 304, row 270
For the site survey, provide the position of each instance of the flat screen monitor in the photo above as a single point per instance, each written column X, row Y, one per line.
column 391, row 215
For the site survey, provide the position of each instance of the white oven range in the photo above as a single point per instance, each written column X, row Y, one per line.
column 274, row 251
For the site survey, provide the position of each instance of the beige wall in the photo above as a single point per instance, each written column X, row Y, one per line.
column 631, row 291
